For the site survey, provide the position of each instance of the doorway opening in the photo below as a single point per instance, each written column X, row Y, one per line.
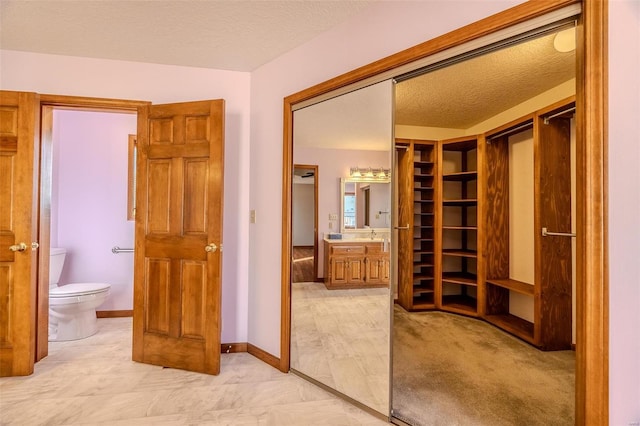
column 305, row 223
column 83, row 201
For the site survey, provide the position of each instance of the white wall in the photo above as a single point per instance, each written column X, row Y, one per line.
column 302, row 212
column 65, row 75
column 384, row 29
column 89, row 200
column 373, row 35
column 624, row 211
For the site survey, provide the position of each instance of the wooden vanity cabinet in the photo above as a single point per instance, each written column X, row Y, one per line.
column 355, row 264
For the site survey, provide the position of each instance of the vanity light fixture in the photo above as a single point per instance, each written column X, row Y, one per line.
column 369, row 173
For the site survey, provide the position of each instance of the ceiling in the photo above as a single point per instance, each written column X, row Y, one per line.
column 242, row 35
column 235, row 35
column 465, row 94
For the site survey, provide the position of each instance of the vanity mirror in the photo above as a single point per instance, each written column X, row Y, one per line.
column 365, row 204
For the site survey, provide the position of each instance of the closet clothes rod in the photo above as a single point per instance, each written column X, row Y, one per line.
column 557, row 114
column 510, row 131
column 117, row 250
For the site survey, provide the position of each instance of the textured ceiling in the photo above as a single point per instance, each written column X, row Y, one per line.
column 465, row 94
column 241, row 35
column 231, row 35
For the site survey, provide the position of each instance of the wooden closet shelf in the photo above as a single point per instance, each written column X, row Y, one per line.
column 423, row 188
column 423, row 201
column 460, row 253
column 422, row 177
column 415, row 213
column 509, row 284
column 461, row 278
column 422, row 239
column 422, row 252
column 422, row 163
column 419, row 264
column 460, row 304
column 460, row 176
column 417, row 290
column 460, row 228
column 513, row 324
column 422, row 277
column 464, row 202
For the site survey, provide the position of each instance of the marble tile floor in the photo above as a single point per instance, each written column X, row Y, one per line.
column 341, row 339
column 94, row 382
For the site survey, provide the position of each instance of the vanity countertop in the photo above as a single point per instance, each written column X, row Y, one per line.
column 354, row 240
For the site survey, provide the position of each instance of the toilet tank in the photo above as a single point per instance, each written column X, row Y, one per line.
column 56, row 261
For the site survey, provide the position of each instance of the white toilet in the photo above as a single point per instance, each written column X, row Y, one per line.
column 72, row 307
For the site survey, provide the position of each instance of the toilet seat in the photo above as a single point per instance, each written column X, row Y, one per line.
column 78, row 289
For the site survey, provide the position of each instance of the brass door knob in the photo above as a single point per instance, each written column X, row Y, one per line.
column 211, row 248
column 18, row 247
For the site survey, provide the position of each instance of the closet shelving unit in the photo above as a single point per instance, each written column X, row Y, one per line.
column 551, row 289
column 417, row 178
column 460, row 287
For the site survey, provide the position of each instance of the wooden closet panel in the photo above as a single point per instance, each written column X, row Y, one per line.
column 405, row 218
column 553, row 253
column 497, row 208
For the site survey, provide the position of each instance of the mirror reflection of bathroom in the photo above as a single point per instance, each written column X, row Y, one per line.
column 89, row 217
column 483, row 325
column 340, row 326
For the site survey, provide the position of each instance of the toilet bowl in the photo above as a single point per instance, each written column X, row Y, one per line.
column 72, row 307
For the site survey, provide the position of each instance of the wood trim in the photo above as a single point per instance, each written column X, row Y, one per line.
column 131, row 177
column 264, row 356
column 591, row 100
column 92, row 104
column 232, row 348
column 515, row 15
column 592, row 334
column 115, row 314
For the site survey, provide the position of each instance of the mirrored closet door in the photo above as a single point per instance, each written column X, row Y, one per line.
column 482, row 326
column 340, row 321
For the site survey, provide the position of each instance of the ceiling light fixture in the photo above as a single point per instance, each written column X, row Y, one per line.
column 565, row 40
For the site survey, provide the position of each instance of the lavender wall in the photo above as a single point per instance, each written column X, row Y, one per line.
column 66, row 75
column 624, row 211
column 89, row 200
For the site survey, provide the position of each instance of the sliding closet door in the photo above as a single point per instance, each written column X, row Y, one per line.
column 340, row 324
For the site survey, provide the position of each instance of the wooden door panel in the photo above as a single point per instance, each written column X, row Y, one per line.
column 181, row 159
column 159, row 196
column 194, row 298
column 19, row 149
column 157, row 294
column 195, row 196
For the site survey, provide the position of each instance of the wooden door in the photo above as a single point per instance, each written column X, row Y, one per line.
column 178, row 258
column 19, row 152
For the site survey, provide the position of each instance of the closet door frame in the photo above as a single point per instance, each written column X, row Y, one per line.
column 592, row 375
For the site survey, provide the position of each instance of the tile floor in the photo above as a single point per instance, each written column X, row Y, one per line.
column 93, row 381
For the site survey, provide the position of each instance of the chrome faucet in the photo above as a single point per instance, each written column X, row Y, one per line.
column 373, row 234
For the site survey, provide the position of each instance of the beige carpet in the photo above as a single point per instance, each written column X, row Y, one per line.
column 453, row 370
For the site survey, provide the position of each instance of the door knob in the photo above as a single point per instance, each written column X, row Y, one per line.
column 18, row 247
column 211, row 248
column 34, row 246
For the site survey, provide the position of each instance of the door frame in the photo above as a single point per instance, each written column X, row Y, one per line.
column 592, row 348
column 48, row 103
column 315, row 219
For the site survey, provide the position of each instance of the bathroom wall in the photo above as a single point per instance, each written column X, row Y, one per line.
column 89, row 200
column 302, row 212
